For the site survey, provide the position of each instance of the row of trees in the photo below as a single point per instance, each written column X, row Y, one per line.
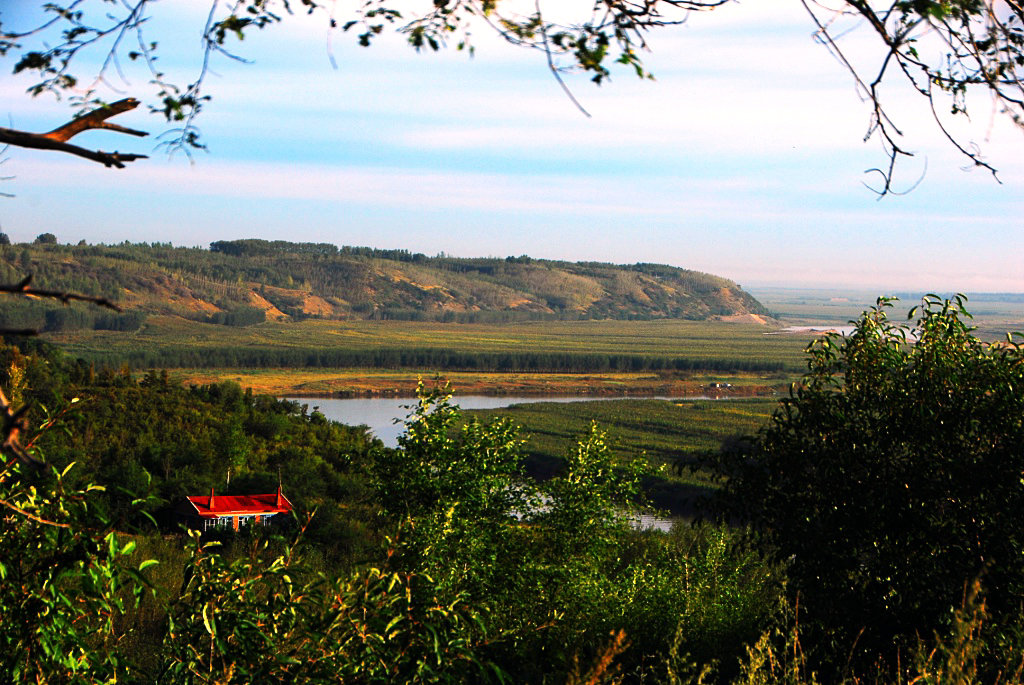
column 49, row 317
column 433, row 359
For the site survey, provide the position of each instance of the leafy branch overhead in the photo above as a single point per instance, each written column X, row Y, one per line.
column 944, row 50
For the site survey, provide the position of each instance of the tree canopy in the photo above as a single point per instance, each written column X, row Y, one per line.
column 891, row 477
column 946, row 50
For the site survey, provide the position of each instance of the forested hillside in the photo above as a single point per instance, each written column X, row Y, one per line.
column 249, row 281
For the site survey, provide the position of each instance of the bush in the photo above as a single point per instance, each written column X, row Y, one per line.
column 65, row 580
column 264, row 619
column 891, row 477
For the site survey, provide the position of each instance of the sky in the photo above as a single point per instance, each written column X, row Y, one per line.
column 744, row 158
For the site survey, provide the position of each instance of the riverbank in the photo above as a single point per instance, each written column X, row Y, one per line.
column 343, row 383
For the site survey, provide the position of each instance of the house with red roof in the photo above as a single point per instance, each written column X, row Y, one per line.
column 213, row 511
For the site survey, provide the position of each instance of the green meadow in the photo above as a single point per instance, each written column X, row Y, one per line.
column 664, row 431
column 535, row 346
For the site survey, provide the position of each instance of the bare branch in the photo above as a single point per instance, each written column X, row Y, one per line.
column 58, row 137
column 553, row 68
column 24, row 288
column 97, row 119
column 14, row 421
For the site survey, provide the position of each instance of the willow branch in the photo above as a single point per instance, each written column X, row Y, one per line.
column 32, row 517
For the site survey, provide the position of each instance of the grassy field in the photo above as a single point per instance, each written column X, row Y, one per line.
column 692, row 339
column 665, row 431
column 669, row 433
column 293, row 358
column 700, row 343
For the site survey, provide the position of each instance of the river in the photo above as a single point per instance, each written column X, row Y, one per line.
column 385, row 416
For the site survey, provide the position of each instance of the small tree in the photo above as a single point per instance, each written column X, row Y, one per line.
column 892, row 476
column 453, row 490
column 594, row 500
column 46, row 239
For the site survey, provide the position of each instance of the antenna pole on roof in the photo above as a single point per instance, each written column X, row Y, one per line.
column 228, row 484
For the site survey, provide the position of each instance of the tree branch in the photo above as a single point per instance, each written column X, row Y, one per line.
column 24, row 288
column 58, row 137
column 14, row 424
column 97, row 119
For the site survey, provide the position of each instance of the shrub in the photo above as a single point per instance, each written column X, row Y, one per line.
column 891, row 476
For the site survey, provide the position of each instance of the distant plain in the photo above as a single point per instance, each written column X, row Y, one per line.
column 664, row 357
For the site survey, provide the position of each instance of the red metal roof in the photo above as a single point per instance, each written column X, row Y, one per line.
column 213, row 506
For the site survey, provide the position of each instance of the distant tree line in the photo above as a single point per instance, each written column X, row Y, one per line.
column 238, row 316
column 255, row 247
column 50, row 318
column 434, row 359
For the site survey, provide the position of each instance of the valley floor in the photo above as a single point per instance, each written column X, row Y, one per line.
column 402, row 383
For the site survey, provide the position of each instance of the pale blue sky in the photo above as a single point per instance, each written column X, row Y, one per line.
column 743, row 159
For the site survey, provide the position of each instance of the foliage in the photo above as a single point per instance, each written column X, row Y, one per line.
column 452, row 491
column 559, row 564
column 263, row 618
column 152, row 433
column 954, row 656
column 671, row 433
column 891, row 476
column 590, row 504
column 66, row 576
column 467, row 592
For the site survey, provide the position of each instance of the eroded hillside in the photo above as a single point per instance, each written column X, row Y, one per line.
column 248, row 281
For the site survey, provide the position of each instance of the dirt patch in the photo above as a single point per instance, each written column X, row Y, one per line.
column 316, row 306
column 272, row 312
column 745, row 318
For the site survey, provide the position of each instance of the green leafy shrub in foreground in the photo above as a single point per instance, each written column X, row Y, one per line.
column 559, row 564
column 890, row 478
column 65, row 577
column 264, row 619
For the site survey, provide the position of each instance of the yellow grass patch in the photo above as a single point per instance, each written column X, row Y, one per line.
column 369, row 382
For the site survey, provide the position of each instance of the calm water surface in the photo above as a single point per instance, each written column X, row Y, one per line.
column 385, row 416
